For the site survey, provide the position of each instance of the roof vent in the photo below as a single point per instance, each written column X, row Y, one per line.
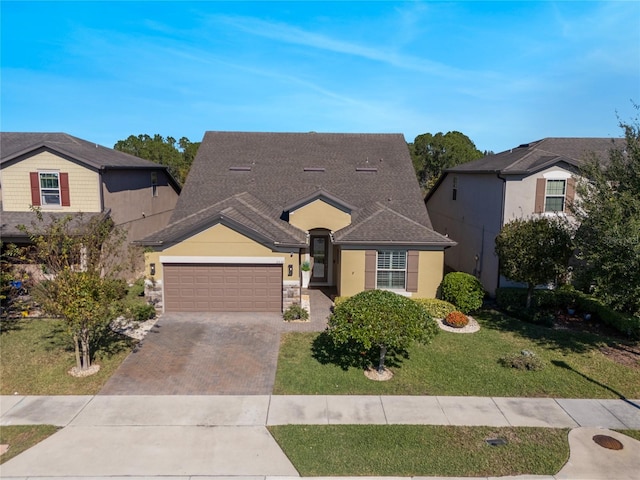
column 313, row 169
column 367, row 169
column 240, row 169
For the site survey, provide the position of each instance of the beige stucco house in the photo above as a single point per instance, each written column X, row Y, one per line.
column 62, row 175
column 471, row 202
column 255, row 206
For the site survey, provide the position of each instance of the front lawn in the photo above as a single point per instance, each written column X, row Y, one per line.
column 411, row 450
column 21, row 437
column 37, row 353
column 466, row 364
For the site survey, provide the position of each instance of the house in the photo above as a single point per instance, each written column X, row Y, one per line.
column 61, row 174
column 257, row 205
column 471, row 202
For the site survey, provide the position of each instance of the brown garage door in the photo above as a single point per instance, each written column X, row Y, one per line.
column 222, row 288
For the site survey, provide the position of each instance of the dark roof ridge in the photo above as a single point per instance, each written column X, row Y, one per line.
column 278, row 224
column 319, row 192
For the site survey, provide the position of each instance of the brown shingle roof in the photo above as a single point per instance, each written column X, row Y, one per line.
column 15, row 144
column 531, row 157
column 277, row 170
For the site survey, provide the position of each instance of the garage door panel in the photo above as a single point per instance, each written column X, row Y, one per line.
column 215, row 288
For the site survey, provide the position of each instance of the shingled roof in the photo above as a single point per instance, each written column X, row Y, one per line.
column 13, row 145
column 531, row 157
column 259, row 176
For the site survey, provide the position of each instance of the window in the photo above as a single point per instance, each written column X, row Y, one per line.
column 455, row 188
column 555, row 196
column 49, row 188
column 391, row 270
column 154, row 184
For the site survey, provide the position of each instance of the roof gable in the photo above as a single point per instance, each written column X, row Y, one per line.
column 531, row 157
column 16, row 145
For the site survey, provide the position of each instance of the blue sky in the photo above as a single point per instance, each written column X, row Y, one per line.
column 503, row 73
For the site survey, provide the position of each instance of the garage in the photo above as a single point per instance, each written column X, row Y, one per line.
column 222, row 287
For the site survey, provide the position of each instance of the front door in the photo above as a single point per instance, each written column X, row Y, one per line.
column 320, row 257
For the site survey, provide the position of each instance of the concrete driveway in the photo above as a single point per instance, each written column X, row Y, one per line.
column 203, row 354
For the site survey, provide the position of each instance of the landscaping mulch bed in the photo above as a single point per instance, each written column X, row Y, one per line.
column 619, row 349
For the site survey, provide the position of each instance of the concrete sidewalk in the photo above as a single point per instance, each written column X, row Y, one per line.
column 221, row 436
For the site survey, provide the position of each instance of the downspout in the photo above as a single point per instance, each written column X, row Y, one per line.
column 504, row 195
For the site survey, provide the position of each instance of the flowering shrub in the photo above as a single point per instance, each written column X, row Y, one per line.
column 456, row 319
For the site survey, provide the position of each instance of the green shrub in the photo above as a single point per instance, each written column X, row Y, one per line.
column 437, row 308
column 295, row 312
column 463, row 290
column 338, row 300
column 525, row 360
column 139, row 311
column 512, row 301
column 136, row 289
column 457, row 320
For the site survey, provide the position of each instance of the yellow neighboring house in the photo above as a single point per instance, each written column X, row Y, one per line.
column 65, row 175
column 256, row 206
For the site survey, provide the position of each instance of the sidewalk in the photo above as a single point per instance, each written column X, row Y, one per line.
column 185, row 436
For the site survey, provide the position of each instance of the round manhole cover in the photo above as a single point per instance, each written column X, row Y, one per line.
column 608, row 442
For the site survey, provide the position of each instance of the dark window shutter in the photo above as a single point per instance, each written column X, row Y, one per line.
column 571, row 193
column 35, row 188
column 370, row 263
column 541, row 187
column 412, row 270
column 64, row 190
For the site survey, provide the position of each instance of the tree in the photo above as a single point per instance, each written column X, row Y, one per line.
column 431, row 154
column 81, row 260
column 382, row 319
column 534, row 251
column 608, row 238
column 178, row 156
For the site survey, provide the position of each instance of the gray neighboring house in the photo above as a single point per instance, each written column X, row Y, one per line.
column 256, row 206
column 471, row 202
column 65, row 175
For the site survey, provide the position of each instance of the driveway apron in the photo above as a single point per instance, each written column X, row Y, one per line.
column 203, row 354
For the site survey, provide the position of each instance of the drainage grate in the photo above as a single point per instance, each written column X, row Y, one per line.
column 608, row 442
column 496, row 442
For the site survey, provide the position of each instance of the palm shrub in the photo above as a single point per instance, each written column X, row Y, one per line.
column 295, row 312
column 463, row 290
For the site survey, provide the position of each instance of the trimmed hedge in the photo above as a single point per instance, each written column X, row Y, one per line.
column 463, row 290
column 437, row 308
column 512, row 300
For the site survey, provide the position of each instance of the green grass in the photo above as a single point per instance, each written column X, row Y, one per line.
column 410, row 450
column 37, row 353
column 21, row 437
column 631, row 433
column 464, row 364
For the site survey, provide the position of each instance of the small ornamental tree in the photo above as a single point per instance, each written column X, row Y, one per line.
column 382, row 319
column 81, row 259
column 534, row 251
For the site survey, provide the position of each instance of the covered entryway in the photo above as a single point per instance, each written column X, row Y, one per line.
column 222, row 287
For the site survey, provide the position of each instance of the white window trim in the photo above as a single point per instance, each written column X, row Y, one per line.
column 40, row 189
column 395, row 290
column 228, row 260
column 547, row 195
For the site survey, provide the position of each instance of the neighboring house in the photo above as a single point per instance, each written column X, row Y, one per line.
column 257, row 205
column 61, row 174
column 471, row 202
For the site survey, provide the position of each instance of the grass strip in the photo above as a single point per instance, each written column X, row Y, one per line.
column 631, row 433
column 37, row 354
column 417, row 450
column 464, row 364
column 22, row 437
